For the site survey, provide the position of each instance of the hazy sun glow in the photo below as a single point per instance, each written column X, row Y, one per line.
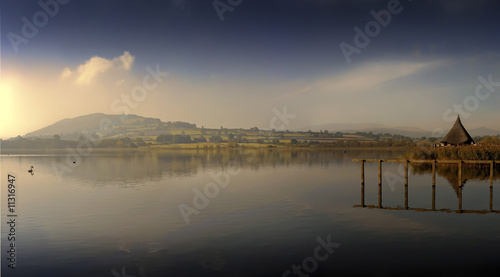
column 7, row 110
column 236, row 73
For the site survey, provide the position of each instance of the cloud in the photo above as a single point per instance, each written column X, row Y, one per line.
column 91, row 68
column 87, row 71
column 366, row 78
column 127, row 60
column 66, row 73
column 362, row 80
column 375, row 91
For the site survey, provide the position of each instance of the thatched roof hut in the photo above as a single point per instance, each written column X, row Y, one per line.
column 457, row 135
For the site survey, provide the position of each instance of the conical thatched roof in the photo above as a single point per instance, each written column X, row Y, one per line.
column 457, row 135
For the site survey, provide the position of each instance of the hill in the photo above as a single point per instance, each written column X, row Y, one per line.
column 134, row 130
column 482, row 131
column 105, row 125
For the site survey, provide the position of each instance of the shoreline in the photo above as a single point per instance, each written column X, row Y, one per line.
column 177, row 147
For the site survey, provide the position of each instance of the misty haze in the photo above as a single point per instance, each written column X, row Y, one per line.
column 249, row 138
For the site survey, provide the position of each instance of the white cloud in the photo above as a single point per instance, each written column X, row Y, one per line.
column 368, row 77
column 127, row 60
column 66, row 73
column 91, row 68
column 357, row 82
column 87, row 71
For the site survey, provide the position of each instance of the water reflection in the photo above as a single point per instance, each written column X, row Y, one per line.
column 456, row 176
column 136, row 167
column 470, row 172
column 121, row 210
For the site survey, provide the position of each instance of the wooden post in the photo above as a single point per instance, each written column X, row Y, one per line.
column 434, row 185
column 406, row 173
column 434, row 173
column 362, row 183
column 460, row 174
column 362, row 171
column 379, row 172
column 460, row 186
column 460, row 199
column 380, row 184
column 491, row 199
column 433, row 198
column 492, row 168
column 406, row 185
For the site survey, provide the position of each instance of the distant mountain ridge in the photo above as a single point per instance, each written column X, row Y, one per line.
column 376, row 128
column 483, row 131
column 131, row 124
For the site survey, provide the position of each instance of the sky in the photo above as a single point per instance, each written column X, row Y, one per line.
column 283, row 64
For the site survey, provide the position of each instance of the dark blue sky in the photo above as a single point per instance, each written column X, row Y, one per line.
column 263, row 50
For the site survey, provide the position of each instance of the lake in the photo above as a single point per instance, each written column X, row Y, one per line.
column 242, row 213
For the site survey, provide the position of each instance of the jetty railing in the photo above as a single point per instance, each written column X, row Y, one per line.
column 434, row 163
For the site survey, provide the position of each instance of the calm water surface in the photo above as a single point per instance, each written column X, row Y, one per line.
column 274, row 213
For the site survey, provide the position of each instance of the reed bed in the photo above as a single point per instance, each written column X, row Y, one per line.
column 469, row 152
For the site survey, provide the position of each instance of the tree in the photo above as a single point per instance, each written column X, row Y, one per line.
column 215, row 139
column 424, row 143
column 140, row 142
column 491, row 140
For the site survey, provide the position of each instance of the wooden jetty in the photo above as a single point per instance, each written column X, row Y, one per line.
column 434, row 163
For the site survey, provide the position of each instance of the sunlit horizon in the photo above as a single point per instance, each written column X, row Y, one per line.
column 235, row 72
